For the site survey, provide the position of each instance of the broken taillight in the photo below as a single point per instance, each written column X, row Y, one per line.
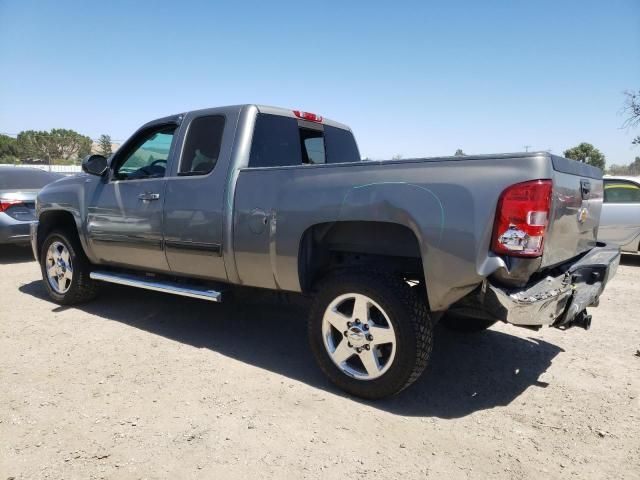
column 522, row 218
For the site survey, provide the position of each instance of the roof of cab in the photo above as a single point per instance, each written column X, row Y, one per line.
column 288, row 112
column 267, row 109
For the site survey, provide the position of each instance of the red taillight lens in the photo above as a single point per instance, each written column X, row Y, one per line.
column 5, row 204
column 522, row 218
column 312, row 117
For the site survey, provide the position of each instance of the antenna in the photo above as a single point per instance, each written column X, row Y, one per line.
column 526, row 147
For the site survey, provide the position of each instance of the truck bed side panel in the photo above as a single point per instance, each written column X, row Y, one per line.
column 448, row 204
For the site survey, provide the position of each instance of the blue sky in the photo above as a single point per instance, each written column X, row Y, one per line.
column 412, row 78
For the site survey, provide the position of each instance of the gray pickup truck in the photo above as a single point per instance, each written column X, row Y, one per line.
column 203, row 203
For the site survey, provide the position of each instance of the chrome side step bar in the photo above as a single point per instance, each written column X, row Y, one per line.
column 158, row 285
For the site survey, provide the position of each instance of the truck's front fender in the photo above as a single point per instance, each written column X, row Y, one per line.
column 69, row 197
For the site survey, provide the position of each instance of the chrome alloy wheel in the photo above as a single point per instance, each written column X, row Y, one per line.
column 358, row 336
column 59, row 268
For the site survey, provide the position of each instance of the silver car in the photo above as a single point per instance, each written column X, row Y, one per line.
column 18, row 190
column 620, row 217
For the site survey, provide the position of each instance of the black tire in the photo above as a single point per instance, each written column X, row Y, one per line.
column 407, row 312
column 82, row 288
column 465, row 324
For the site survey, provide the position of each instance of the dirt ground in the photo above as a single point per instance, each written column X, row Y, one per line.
column 144, row 385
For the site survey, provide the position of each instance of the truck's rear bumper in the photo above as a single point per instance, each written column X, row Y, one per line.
column 556, row 300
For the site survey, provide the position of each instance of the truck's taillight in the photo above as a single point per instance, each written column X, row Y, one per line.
column 522, row 218
column 5, row 204
column 312, row 117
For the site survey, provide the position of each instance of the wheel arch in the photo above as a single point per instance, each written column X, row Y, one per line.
column 51, row 220
column 358, row 244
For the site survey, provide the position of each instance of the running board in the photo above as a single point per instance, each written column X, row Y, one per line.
column 159, row 286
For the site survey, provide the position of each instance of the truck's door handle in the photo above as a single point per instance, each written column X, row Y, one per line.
column 585, row 188
column 148, row 196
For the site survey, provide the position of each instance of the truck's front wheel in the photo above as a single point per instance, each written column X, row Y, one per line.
column 370, row 333
column 65, row 269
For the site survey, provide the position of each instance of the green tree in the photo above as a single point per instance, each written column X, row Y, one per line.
column 104, row 145
column 8, row 149
column 34, row 144
column 459, row 153
column 58, row 145
column 587, row 153
column 70, row 145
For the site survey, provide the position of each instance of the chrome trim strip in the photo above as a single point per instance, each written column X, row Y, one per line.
column 158, row 286
column 127, row 239
column 196, row 246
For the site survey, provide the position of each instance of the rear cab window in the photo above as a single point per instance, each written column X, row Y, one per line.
column 284, row 141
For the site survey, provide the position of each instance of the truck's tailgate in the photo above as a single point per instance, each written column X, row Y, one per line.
column 575, row 210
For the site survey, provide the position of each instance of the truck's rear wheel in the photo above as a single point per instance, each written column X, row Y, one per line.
column 65, row 269
column 370, row 333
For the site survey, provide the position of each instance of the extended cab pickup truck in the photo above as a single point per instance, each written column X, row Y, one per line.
column 252, row 196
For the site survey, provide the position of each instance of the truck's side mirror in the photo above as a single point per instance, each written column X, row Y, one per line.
column 95, row 165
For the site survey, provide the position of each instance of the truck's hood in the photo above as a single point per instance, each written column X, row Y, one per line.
column 67, row 183
column 66, row 192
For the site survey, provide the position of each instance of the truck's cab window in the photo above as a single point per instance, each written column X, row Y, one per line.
column 147, row 156
column 341, row 145
column 312, row 142
column 282, row 141
column 620, row 191
column 275, row 142
column 202, row 145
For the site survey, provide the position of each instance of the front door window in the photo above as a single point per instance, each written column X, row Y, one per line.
column 147, row 156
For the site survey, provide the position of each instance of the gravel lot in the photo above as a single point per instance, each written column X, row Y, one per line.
column 144, row 385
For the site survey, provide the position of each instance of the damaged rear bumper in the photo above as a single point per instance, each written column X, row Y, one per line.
column 560, row 300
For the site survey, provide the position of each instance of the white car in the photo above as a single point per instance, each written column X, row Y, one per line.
column 620, row 217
